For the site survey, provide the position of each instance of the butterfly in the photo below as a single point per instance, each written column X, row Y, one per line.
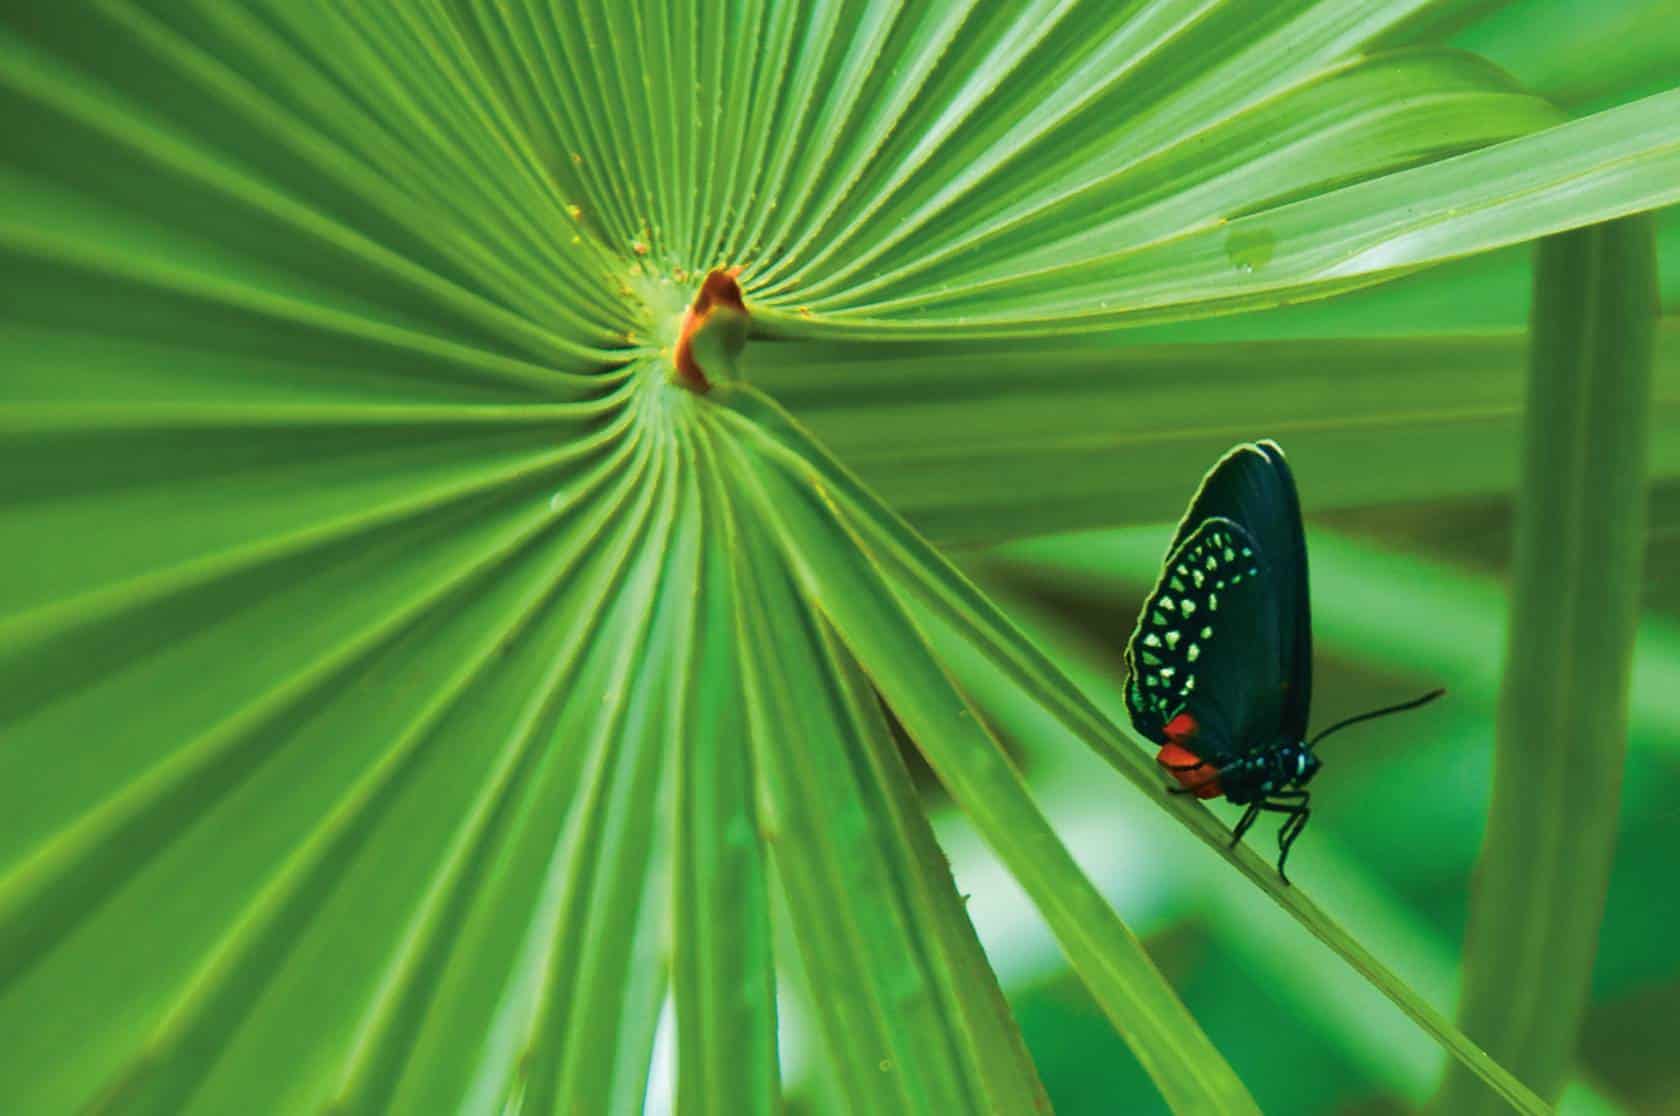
column 1220, row 663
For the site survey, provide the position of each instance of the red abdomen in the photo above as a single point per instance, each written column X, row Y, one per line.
column 1182, row 763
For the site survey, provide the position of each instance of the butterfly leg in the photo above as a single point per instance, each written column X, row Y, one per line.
column 1299, row 811
column 1244, row 822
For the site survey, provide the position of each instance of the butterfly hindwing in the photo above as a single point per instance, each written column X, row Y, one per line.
column 1195, row 648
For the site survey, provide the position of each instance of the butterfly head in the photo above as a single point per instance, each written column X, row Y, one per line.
column 1305, row 761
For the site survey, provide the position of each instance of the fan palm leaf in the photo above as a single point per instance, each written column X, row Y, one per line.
column 411, row 684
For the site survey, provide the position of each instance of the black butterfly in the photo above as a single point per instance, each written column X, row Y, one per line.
column 1221, row 659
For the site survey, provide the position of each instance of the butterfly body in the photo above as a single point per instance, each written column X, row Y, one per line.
column 1279, row 768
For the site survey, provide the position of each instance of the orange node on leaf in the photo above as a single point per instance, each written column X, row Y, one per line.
column 720, row 291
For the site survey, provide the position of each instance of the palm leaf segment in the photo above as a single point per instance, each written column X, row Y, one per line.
column 409, row 687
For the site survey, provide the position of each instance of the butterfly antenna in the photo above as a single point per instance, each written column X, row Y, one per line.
column 1401, row 708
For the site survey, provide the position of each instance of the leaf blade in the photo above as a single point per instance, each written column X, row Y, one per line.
column 1183, row 1064
column 1564, row 707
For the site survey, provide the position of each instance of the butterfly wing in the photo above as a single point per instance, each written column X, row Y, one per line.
column 1202, row 643
column 1253, row 676
column 1288, row 546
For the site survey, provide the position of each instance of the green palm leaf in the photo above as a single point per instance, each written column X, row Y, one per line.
column 997, row 441
column 1581, row 531
column 410, row 688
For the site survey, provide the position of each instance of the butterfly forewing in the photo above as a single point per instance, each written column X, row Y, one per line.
column 1253, row 485
column 1293, row 599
